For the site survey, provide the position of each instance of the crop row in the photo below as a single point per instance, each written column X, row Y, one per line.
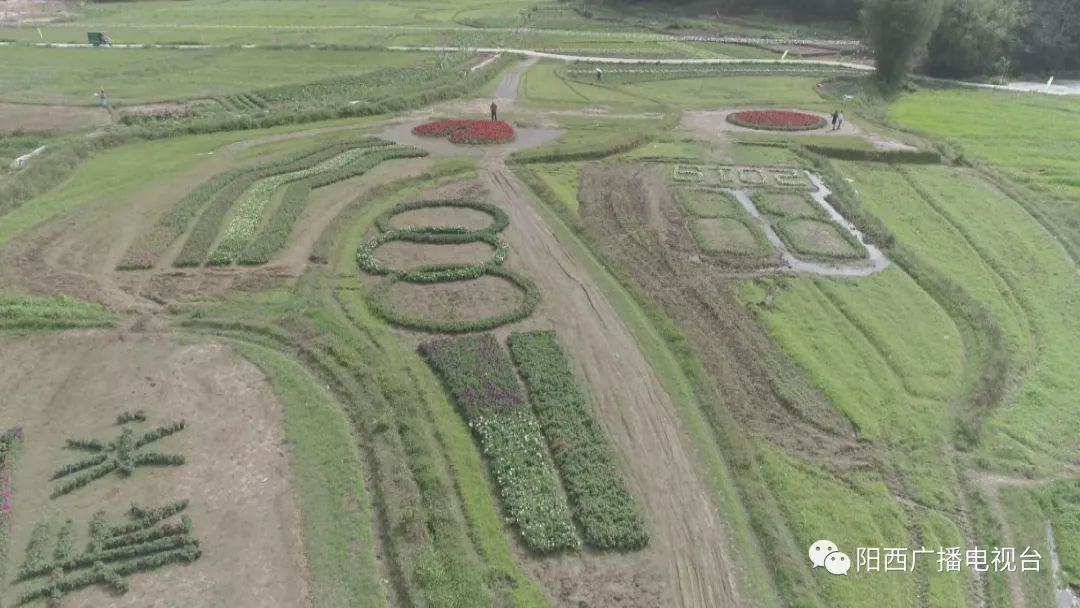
column 274, row 234
column 10, row 441
column 370, row 263
column 147, row 518
column 481, row 380
column 500, row 220
column 146, row 252
column 107, row 555
column 215, row 207
column 602, row 506
column 132, row 416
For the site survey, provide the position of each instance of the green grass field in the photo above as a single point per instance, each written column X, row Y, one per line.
column 132, row 76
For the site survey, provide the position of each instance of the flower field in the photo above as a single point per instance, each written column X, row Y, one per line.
column 480, row 378
column 598, row 496
column 468, row 131
column 776, row 120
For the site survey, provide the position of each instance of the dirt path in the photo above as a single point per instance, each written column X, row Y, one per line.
column 688, row 538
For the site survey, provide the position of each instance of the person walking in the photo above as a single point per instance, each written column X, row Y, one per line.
column 102, row 101
column 835, row 117
column 494, row 111
column 599, row 74
column 839, row 121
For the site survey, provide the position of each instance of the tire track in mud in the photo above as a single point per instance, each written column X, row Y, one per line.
column 688, row 536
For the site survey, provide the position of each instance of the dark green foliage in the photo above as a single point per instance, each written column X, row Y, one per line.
column 145, row 535
column 598, row 497
column 381, row 306
column 99, row 531
column 899, row 31
column 499, row 218
column 914, row 157
column 75, row 467
column 122, row 455
column 65, row 542
column 146, row 518
column 481, row 380
column 972, row 37
column 37, row 550
column 135, row 416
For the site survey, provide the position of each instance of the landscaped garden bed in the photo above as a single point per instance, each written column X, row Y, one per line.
column 776, row 120
column 818, row 239
column 468, row 131
column 482, row 381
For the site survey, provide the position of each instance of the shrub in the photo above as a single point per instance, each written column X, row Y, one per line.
column 601, row 504
column 481, row 380
column 135, row 416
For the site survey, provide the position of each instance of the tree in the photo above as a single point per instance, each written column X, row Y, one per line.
column 973, row 35
column 898, row 31
column 1049, row 37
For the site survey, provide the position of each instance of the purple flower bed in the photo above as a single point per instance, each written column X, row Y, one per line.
column 481, row 380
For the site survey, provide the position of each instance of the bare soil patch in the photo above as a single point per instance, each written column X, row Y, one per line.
column 237, row 475
column 458, row 301
column 442, row 216
column 27, row 117
column 404, row 255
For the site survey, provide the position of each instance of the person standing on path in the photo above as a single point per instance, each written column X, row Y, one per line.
column 599, row 74
column 835, row 117
column 839, row 121
column 494, row 111
column 102, row 102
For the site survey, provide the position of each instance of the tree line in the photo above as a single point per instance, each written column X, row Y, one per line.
column 953, row 38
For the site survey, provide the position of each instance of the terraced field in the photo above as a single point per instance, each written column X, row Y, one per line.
column 261, row 344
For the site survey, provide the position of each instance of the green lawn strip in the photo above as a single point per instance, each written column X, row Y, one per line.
column 328, row 480
column 1043, row 278
column 274, row 233
column 21, row 313
column 464, row 461
column 934, row 531
column 772, row 564
column 480, row 377
column 869, row 517
column 206, row 229
column 601, row 504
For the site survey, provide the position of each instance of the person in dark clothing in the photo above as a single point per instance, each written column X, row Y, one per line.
column 835, row 118
column 494, row 111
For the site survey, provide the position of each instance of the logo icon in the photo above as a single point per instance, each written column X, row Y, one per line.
column 824, row 553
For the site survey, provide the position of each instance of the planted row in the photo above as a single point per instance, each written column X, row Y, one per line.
column 10, row 441
column 206, row 229
column 273, row 236
column 481, row 380
column 499, row 219
column 370, row 263
column 602, row 506
column 146, row 252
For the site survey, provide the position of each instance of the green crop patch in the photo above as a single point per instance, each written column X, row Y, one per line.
column 730, row 236
column 601, row 504
column 819, row 239
column 480, row 378
column 20, row 313
column 706, row 202
column 725, row 176
column 787, row 205
column 148, row 541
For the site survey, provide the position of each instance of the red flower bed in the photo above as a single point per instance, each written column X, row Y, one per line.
column 468, row 131
column 776, row 120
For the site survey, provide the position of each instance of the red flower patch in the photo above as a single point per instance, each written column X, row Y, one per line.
column 776, row 120
column 468, row 131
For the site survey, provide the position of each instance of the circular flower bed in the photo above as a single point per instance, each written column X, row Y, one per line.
column 499, row 219
column 432, row 274
column 468, row 131
column 776, row 120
